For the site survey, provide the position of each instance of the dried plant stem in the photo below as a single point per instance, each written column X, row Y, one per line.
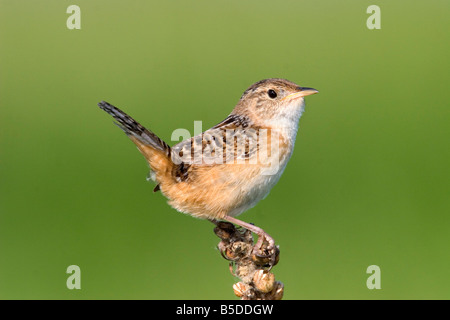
column 257, row 282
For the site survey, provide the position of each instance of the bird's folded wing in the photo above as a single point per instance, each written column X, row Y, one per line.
column 230, row 141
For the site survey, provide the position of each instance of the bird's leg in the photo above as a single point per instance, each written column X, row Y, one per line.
column 262, row 235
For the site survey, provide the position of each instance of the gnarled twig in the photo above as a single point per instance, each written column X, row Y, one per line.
column 257, row 280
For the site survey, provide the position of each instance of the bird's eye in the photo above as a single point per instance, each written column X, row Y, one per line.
column 272, row 94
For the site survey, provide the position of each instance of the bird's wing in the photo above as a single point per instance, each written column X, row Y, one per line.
column 234, row 139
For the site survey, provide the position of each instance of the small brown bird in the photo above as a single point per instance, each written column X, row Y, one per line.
column 229, row 168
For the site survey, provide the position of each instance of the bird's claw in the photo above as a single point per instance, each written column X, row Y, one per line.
column 267, row 257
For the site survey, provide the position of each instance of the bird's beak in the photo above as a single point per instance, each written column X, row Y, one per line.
column 303, row 92
column 307, row 91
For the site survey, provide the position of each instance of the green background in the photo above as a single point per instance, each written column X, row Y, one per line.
column 368, row 183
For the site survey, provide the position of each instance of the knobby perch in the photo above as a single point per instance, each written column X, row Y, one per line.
column 225, row 171
column 254, row 271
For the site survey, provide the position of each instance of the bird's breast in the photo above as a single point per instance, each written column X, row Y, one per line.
column 212, row 191
column 256, row 182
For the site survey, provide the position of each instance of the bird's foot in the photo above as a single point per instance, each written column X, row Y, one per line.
column 265, row 252
column 234, row 244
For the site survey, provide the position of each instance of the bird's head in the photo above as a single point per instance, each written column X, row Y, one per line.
column 273, row 101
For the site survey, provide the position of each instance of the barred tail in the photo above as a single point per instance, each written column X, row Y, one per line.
column 156, row 151
column 133, row 129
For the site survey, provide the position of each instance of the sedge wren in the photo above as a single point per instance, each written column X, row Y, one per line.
column 229, row 168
